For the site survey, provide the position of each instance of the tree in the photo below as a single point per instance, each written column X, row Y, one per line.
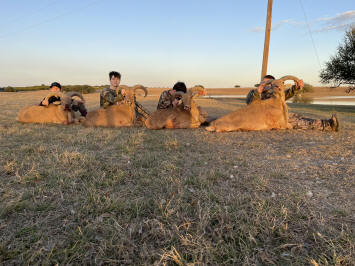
column 340, row 69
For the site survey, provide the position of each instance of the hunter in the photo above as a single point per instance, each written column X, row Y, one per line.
column 114, row 95
column 264, row 91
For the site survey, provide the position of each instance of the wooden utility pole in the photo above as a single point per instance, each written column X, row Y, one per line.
column 267, row 39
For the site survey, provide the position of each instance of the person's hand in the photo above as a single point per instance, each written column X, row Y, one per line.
column 300, row 84
column 45, row 102
column 261, row 87
column 123, row 92
column 175, row 102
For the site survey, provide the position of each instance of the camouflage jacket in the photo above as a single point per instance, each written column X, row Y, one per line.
column 268, row 93
column 109, row 97
column 166, row 100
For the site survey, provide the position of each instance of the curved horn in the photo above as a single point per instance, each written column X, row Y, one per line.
column 140, row 87
column 74, row 93
column 289, row 77
column 198, row 90
column 125, row 87
column 281, row 82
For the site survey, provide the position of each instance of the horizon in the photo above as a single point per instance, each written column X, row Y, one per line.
column 157, row 44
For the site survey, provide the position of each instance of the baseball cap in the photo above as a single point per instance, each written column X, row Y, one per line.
column 55, row 84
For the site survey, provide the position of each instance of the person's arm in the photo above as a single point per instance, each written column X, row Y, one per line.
column 46, row 102
column 120, row 95
column 289, row 93
column 252, row 96
column 255, row 93
column 164, row 100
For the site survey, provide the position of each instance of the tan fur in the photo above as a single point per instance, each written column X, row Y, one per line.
column 120, row 115
column 259, row 115
column 178, row 117
column 52, row 113
column 42, row 114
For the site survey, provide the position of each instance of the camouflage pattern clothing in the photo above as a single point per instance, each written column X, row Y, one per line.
column 268, row 92
column 166, row 100
column 299, row 122
column 109, row 97
column 296, row 120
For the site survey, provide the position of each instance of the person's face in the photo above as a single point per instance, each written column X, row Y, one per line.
column 115, row 81
column 172, row 92
column 54, row 88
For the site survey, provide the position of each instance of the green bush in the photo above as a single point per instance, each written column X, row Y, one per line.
column 9, row 89
column 83, row 89
column 30, row 88
column 79, row 88
column 301, row 97
column 307, row 88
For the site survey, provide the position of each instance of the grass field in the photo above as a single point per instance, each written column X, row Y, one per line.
column 75, row 195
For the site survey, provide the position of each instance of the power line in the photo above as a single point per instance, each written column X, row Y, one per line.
column 30, row 13
column 310, row 34
column 48, row 20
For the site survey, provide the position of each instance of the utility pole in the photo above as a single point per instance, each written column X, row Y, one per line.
column 267, row 39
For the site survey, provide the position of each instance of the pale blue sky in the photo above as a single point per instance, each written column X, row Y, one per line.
column 156, row 42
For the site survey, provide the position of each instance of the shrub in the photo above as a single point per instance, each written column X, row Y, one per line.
column 307, row 88
column 83, row 89
column 301, row 97
column 79, row 88
column 9, row 89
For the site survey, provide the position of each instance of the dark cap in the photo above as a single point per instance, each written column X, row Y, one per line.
column 55, row 84
column 180, row 86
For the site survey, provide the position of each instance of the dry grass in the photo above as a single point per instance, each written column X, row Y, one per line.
column 75, row 195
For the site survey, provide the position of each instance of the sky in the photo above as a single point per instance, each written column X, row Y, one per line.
column 217, row 44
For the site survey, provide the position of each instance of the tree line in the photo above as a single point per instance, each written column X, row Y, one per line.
column 79, row 88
